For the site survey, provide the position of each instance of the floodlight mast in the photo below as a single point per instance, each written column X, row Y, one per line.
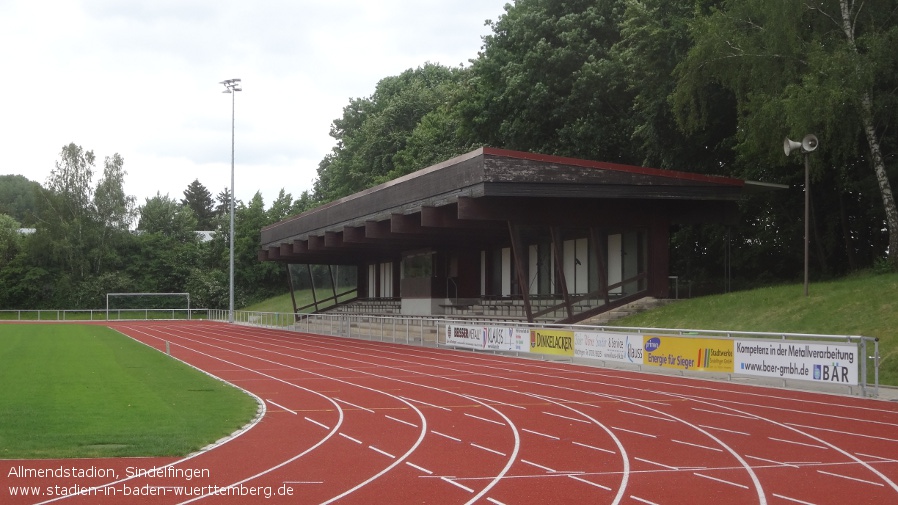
column 232, row 86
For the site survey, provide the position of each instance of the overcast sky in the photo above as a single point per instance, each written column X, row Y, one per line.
column 141, row 78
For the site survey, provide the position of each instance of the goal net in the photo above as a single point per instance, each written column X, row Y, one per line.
column 147, row 306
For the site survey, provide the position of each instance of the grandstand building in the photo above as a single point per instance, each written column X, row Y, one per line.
column 497, row 233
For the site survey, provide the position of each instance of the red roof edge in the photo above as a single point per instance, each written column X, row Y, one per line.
column 673, row 174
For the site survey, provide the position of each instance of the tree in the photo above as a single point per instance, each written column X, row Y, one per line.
column 223, row 203
column 544, row 82
column 280, row 207
column 199, row 199
column 9, row 239
column 796, row 67
column 373, row 130
column 18, row 198
column 66, row 213
column 165, row 216
column 113, row 208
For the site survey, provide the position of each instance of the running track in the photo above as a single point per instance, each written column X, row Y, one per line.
column 349, row 421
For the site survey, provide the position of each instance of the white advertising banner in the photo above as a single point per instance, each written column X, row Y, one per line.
column 465, row 336
column 618, row 347
column 831, row 363
column 506, row 338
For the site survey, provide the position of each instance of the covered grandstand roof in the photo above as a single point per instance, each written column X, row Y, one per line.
column 473, row 197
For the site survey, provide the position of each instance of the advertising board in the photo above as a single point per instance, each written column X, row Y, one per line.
column 831, row 363
column 619, row 347
column 683, row 353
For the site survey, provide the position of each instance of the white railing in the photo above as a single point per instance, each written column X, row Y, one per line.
column 72, row 315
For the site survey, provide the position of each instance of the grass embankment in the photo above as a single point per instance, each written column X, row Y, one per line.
column 863, row 304
column 88, row 391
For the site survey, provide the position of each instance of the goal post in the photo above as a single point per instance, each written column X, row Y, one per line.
column 147, row 303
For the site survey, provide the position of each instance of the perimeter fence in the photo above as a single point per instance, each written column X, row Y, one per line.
column 48, row 315
column 832, row 363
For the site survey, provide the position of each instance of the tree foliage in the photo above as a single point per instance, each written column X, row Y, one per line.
column 799, row 67
column 708, row 86
column 198, row 199
column 374, row 132
column 84, row 247
column 18, row 198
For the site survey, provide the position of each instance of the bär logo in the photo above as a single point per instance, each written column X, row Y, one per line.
column 652, row 344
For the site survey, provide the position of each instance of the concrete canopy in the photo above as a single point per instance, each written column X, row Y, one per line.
column 473, row 197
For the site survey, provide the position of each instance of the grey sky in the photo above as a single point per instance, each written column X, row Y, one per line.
column 141, row 78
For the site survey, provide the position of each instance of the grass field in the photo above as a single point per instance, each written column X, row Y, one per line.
column 863, row 304
column 88, row 391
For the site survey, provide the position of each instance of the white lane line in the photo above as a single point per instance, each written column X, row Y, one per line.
column 634, row 432
column 450, row 437
column 538, row 466
column 850, row 478
column 594, row 447
column 487, row 449
column 589, row 482
column 282, row 407
column 354, row 405
column 662, row 465
column 855, row 434
column 566, row 417
column 419, row 402
column 734, row 432
column 485, row 419
column 466, row 488
column 697, row 445
column 724, row 413
column 779, row 463
column 646, row 415
column 344, row 435
column 643, row 500
column 413, row 425
column 794, row 500
column 736, row 484
column 889, row 460
column 798, row 443
column 553, row 437
column 385, row 453
column 490, row 401
column 496, row 502
column 419, row 468
column 316, row 422
column 302, row 482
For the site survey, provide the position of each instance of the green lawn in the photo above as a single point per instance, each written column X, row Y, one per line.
column 863, row 304
column 73, row 390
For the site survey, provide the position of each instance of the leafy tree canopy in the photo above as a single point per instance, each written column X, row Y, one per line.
column 18, row 198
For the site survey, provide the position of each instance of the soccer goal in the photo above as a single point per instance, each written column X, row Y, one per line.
column 147, row 306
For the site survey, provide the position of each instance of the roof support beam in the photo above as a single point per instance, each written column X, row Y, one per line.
column 517, row 250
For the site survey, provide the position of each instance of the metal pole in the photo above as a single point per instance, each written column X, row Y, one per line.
column 232, row 86
column 807, row 197
column 231, row 271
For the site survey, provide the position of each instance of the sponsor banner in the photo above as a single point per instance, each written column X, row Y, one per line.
column 679, row 353
column 504, row 338
column 831, row 363
column 560, row 342
column 465, row 336
column 608, row 346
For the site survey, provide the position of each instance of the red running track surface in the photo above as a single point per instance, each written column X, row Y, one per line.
column 349, row 421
